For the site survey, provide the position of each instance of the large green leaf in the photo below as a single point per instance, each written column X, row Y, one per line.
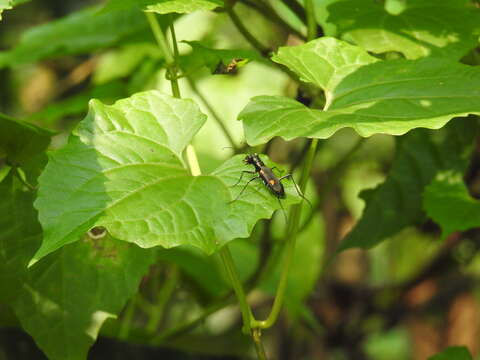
column 20, row 141
column 424, row 28
column 80, row 32
column 397, row 202
column 123, row 169
column 453, row 353
column 390, row 97
column 63, row 300
column 447, row 201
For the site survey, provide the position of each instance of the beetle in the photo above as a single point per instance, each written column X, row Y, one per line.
column 268, row 177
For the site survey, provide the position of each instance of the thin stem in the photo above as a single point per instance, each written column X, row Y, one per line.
column 290, row 245
column 174, row 70
column 311, row 21
column 257, row 340
column 237, row 287
column 170, row 62
column 293, row 223
column 212, row 111
column 334, row 174
column 244, row 31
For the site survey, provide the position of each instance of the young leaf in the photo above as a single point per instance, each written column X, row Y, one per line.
column 70, row 293
column 424, row 28
column 397, row 202
column 123, row 169
column 453, row 353
column 20, row 141
column 78, row 33
column 447, row 201
column 390, row 97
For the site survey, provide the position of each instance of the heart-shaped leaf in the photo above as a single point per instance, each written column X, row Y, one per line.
column 123, row 169
column 390, row 97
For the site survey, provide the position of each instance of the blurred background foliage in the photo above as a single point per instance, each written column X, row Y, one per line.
column 406, row 299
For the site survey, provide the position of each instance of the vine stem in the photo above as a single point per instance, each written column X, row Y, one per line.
column 311, row 21
column 293, row 224
column 237, row 287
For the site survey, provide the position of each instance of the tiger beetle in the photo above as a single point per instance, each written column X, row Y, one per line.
column 270, row 180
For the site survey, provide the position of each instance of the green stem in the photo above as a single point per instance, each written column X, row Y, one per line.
column 257, row 340
column 237, row 287
column 290, row 245
column 333, row 176
column 170, row 62
column 293, row 224
column 174, row 70
column 311, row 21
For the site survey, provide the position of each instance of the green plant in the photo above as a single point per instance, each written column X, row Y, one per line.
column 128, row 197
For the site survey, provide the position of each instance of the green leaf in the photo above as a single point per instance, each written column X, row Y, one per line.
column 63, row 300
column 323, row 62
column 453, row 353
column 123, row 169
column 447, row 201
column 397, row 202
column 424, row 28
column 183, row 6
column 390, row 97
column 80, row 32
column 20, row 141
